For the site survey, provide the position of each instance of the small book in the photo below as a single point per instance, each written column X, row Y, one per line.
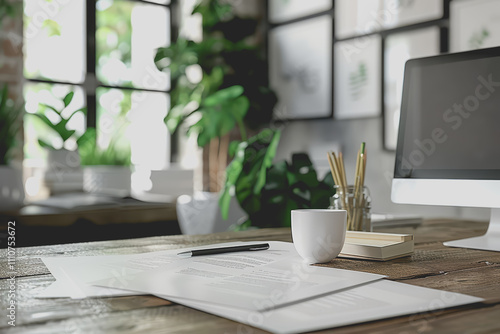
column 377, row 246
column 387, row 220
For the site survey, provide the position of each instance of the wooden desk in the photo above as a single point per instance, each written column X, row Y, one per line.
column 432, row 265
column 129, row 218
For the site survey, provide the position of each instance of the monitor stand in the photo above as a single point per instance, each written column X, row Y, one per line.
column 489, row 241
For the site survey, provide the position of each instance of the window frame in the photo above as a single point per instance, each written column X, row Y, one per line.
column 91, row 83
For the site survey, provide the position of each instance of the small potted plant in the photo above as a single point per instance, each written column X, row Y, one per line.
column 11, row 183
column 63, row 173
column 105, row 170
column 59, row 157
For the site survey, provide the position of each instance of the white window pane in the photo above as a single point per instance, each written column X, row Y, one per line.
column 191, row 25
column 136, row 118
column 164, row 2
column 54, row 43
column 128, row 34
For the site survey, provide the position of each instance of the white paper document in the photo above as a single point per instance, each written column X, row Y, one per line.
column 272, row 290
column 380, row 299
column 251, row 275
column 75, row 272
column 249, row 280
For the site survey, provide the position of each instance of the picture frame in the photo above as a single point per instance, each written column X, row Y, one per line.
column 285, row 10
column 362, row 17
column 357, row 72
column 353, row 17
column 474, row 24
column 300, row 68
column 398, row 48
column 398, row 13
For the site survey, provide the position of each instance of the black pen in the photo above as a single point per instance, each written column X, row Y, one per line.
column 221, row 250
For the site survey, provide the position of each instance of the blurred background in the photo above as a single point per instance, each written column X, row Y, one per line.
column 152, row 100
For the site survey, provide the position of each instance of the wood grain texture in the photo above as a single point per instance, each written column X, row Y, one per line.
column 432, row 265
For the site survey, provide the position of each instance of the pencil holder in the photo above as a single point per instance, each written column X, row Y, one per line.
column 357, row 204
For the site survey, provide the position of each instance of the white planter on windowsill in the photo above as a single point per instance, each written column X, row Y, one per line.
column 110, row 180
column 63, row 159
column 63, row 172
column 11, row 188
column 200, row 213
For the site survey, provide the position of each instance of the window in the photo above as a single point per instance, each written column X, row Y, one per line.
column 103, row 51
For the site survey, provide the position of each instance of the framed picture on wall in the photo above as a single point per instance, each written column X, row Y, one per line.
column 285, row 10
column 399, row 48
column 356, row 17
column 357, row 78
column 300, row 68
column 474, row 24
column 397, row 13
column 361, row 17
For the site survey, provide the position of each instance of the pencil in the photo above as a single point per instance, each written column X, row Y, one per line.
column 353, row 201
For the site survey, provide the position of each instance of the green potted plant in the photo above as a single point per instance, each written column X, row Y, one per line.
column 12, row 190
column 267, row 191
column 58, row 156
column 62, row 173
column 9, row 8
column 230, row 99
column 105, row 170
column 233, row 94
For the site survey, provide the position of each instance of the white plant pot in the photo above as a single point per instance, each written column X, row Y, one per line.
column 63, row 172
column 61, row 160
column 200, row 213
column 11, row 188
column 110, row 180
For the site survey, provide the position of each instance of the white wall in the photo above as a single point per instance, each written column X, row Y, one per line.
column 316, row 137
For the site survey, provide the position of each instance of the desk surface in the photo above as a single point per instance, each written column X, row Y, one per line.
column 124, row 218
column 432, row 265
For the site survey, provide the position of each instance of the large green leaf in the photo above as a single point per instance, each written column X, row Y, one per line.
column 233, row 148
column 63, row 131
column 174, row 117
column 250, row 158
column 68, row 98
column 44, row 144
column 89, row 138
column 176, row 57
column 60, row 127
column 267, row 191
column 83, row 110
column 233, row 171
column 212, row 11
column 267, row 160
column 223, row 95
column 45, row 120
column 51, row 108
column 224, row 111
column 258, row 155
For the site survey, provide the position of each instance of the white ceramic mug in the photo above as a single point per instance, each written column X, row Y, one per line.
column 318, row 234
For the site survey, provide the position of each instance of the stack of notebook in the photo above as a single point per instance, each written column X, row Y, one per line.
column 376, row 246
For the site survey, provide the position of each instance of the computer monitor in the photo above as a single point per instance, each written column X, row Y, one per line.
column 448, row 150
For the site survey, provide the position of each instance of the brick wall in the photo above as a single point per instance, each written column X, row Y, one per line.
column 11, row 61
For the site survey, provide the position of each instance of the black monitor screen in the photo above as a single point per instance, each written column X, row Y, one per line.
column 450, row 117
